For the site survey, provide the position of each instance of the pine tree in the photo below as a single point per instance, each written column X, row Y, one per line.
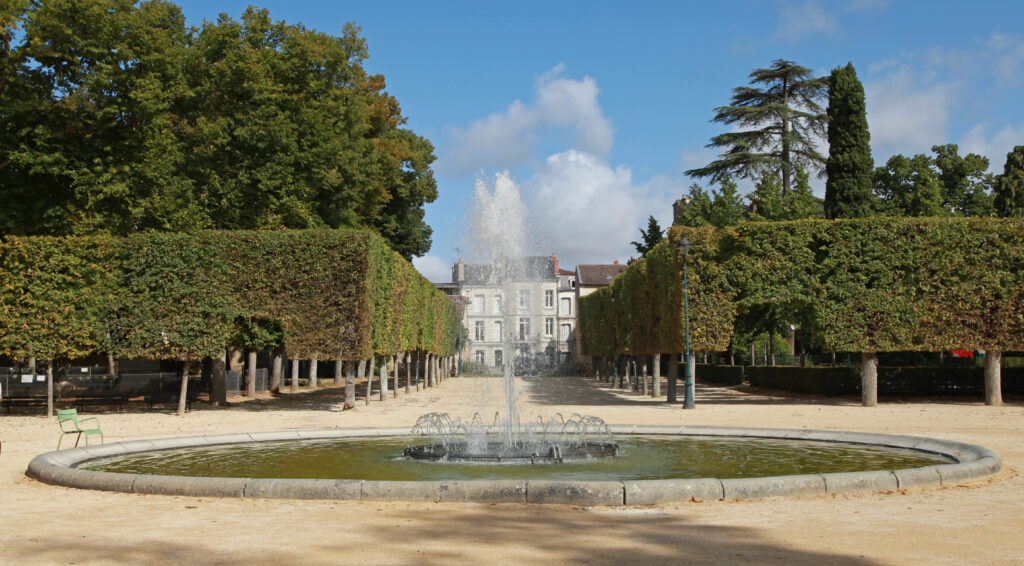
column 783, row 120
column 651, row 237
column 849, row 166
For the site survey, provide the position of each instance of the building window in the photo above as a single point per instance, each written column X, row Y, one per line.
column 497, row 304
column 478, row 331
column 549, row 298
column 497, row 358
column 524, row 328
column 549, row 326
column 478, row 304
column 566, row 329
column 566, row 306
column 480, row 359
column 497, row 330
column 524, row 298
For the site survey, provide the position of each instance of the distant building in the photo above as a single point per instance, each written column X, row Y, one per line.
column 589, row 278
column 539, row 317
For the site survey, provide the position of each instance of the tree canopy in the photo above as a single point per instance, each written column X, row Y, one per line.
column 778, row 126
column 117, row 118
column 849, row 166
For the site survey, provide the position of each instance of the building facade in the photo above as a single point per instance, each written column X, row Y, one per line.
column 526, row 311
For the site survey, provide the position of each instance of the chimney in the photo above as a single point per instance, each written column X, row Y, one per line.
column 459, row 272
column 616, row 262
column 555, row 258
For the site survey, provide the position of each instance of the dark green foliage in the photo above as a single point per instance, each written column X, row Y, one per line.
column 964, row 181
column 768, row 202
column 116, row 118
column 723, row 207
column 909, row 187
column 892, row 381
column 1009, row 187
column 778, row 126
column 849, row 166
column 650, row 237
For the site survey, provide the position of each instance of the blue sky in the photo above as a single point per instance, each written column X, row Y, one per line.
column 596, row 108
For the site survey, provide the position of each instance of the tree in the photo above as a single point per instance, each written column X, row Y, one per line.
column 965, row 181
column 909, row 187
column 849, row 166
column 726, row 205
column 781, row 124
column 1009, row 187
column 651, row 237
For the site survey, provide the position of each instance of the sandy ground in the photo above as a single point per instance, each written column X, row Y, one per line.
column 980, row 523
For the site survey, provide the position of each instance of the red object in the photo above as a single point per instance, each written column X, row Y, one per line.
column 962, row 353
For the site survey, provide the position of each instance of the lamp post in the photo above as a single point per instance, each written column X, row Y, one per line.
column 684, row 246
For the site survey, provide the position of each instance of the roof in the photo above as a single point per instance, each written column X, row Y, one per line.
column 528, row 268
column 565, row 272
column 595, row 275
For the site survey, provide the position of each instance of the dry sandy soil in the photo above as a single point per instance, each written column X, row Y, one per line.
column 980, row 523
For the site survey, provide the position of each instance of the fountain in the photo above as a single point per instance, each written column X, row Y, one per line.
column 498, row 239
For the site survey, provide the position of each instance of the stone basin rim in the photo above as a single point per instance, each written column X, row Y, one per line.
column 972, row 462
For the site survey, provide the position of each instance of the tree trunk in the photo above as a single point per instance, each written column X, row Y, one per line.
column 369, row 378
column 429, row 369
column 250, row 375
column 183, row 394
column 993, row 377
column 234, row 358
column 295, row 375
column 218, row 367
column 339, row 370
column 692, row 362
column 313, row 368
column 408, row 372
column 111, row 365
column 753, row 353
column 383, row 378
column 771, row 349
column 49, row 387
column 643, row 385
column 361, row 373
column 869, row 379
column 626, row 377
column 350, row 386
column 656, row 376
column 673, row 376
column 275, row 371
column 416, row 356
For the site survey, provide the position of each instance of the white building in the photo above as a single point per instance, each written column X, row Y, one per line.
column 531, row 301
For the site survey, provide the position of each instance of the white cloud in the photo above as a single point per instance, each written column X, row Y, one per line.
column 914, row 100
column 507, row 138
column 906, row 116
column 587, row 211
column 435, row 268
column 797, row 21
column 995, row 147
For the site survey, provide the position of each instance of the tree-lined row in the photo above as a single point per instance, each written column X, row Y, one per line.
column 861, row 285
column 315, row 294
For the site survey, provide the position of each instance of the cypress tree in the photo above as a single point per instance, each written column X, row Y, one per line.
column 849, row 166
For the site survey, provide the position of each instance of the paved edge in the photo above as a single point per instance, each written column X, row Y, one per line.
column 972, row 463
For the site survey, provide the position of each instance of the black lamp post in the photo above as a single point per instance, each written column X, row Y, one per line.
column 684, row 246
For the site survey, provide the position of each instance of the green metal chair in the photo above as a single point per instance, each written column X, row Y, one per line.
column 71, row 424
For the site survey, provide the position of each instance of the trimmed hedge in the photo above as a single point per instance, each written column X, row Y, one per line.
column 892, row 381
column 337, row 293
column 727, row 375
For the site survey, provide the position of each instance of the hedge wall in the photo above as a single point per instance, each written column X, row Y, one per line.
column 338, row 293
column 860, row 285
column 892, row 381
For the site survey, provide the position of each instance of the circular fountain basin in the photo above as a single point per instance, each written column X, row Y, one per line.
column 951, row 463
column 496, row 453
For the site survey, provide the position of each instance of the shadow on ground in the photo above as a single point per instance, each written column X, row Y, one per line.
column 441, row 535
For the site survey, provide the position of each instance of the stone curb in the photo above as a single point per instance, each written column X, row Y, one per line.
column 973, row 463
